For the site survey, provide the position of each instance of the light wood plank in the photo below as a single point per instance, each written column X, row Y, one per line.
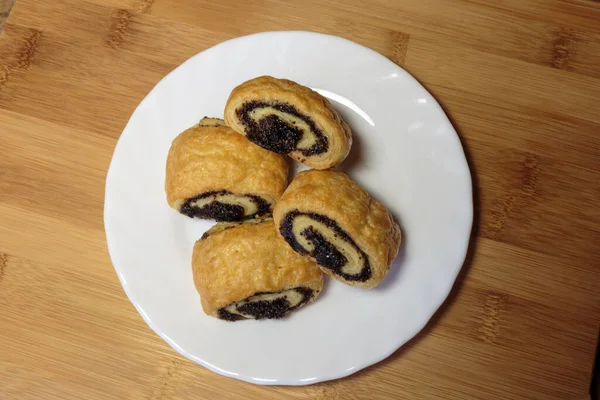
column 520, row 82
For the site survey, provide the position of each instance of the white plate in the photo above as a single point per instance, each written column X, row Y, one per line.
column 405, row 153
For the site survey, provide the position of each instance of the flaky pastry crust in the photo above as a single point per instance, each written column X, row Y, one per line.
column 237, row 260
column 208, row 158
column 336, row 196
column 304, row 100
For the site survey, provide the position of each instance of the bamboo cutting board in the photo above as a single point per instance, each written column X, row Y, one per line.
column 520, row 81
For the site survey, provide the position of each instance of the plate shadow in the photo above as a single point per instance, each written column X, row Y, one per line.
column 451, row 298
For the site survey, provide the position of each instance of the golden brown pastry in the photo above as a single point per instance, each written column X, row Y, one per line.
column 329, row 218
column 246, row 271
column 214, row 173
column 288, row 118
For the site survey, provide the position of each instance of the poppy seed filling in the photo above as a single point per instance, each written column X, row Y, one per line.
column 327, row 254
column 266, row 305
column 225, row 206
column 280, row 128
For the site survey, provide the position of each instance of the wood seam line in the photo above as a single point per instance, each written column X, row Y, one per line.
column 168, row 381
column 493, row 308
column 3, row 263
column 563, row 47
column 119, row 26
column 25, row 56
column 400, row 42
column 145, row 6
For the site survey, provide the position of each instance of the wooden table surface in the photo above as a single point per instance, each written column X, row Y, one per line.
column 519, row 79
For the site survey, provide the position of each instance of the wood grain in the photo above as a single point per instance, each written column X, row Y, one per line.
column 521, row 83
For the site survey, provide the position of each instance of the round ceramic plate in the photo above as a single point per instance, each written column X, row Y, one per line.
column 405, row 153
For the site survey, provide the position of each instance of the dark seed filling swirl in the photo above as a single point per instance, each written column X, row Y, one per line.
column 222, row 211
column 325, row 253
column 255, row 308
column 274, row 134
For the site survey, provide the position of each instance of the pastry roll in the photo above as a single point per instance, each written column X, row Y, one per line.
column 214, row 173
column 288, row 118
column 329, row 218
column 246, row 271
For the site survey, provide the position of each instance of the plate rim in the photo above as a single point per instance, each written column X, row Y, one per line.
column 443, row 296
